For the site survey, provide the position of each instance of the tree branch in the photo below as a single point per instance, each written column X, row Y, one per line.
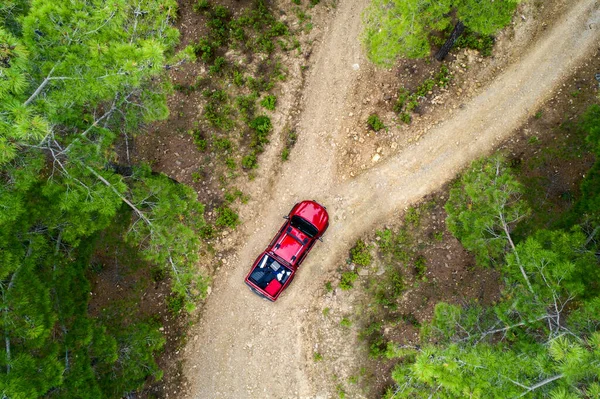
column 40, row 87
column 541, row 384
column 512, row 245
column 125, row 200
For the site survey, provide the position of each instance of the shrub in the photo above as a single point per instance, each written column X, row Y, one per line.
column 285, row 154
column 217, row 67
column 175, row 303
column 205, row 49
column 360, row 254
column 200, row 142
column 406, row 118
column 246, row 106
column 217, row 116
column 230, row 162
column 238, row 78
column 269, row 102
column 345, row 322
column 222, row 144
column 386, row 292
column 158, row 274
column 403, row 95
column 249, row 161
column 347, row 279
column 375, row 339
column 482, row 43
column 375, row 123
column 317, row 357
column 413, row 216
column 207, row 231
column 226, row 217
column 261, row 126
column 201, row 5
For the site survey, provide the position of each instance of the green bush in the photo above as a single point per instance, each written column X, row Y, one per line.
column 217, row 67
column 285, row 153
column 261, row 125
column 201, row 5
column 230, row 163
column 347, row 279
column 420, row 267
column 246, row 106
column 207, row 231
column 199, row 140
column 360, row 254
column 413, row 216
column 175, row 303
column 250, row 161
column 345, row 322
column 482, row 43
column 387, row 291
column 375, row 123
column 205, row 48
column 226, row 217
column 223, row 144
column 238, row 78
column 269, row 102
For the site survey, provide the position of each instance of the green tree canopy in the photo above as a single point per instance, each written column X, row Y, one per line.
column 404, row 27
column 74, row 77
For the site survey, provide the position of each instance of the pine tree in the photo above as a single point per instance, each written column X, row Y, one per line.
column 483, row 208
column 404, row 27
column 73, row 77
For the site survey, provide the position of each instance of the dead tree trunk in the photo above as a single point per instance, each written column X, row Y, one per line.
column 458, row 30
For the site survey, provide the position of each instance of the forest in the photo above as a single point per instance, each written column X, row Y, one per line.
column 75, row 79
column 540, row 339
column 80, row 80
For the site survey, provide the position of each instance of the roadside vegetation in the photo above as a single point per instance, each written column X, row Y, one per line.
column 77, row 79
column 525, row 321
column 238, row 68
column 242, row 68
column 540, row 338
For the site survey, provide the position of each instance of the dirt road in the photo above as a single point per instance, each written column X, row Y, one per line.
column 247, row 348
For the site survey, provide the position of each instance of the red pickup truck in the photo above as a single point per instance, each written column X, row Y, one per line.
column 276, row 266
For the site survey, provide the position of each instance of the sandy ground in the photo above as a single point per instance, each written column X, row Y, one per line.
column 244, row 347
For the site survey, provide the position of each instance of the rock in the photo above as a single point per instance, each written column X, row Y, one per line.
column 363, row 272
column 394, row 145
column 376, row 158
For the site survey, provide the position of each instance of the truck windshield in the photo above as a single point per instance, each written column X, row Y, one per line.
column 304, row 226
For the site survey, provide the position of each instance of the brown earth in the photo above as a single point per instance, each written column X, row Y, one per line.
column 243, row 347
